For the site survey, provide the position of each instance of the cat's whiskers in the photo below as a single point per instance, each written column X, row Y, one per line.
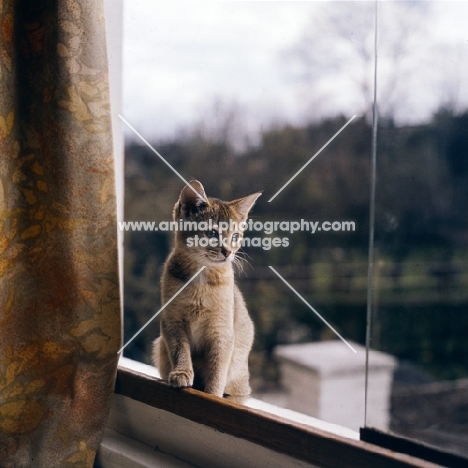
column 239, row 261
column 244, row 255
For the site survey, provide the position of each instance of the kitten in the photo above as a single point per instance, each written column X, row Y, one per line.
column 206, row 331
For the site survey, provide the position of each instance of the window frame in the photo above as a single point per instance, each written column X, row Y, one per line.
column 300, row 441
column 308, row 444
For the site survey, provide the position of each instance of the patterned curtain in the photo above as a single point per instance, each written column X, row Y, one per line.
column 59, row 297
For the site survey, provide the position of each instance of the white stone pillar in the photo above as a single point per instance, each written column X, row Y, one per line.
column 327, row 380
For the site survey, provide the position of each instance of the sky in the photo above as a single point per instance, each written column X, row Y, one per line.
column 183, row 59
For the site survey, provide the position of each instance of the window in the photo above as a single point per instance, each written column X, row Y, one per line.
column 231, row 98
column 420, row 254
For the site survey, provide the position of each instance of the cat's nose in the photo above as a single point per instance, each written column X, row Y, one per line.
column 226, row 252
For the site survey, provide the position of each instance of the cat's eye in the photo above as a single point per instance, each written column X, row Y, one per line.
column 235, row 238
column 211, row 233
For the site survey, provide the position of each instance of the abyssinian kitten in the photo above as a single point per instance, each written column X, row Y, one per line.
column 206, row 332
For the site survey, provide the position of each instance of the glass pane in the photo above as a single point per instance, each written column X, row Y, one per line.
column 241, row 96
column 420, row 297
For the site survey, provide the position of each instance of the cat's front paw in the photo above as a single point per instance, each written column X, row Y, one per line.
column 181, row 378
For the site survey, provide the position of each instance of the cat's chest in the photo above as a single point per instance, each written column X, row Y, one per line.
column 210, row 314
column 205, row 307
column 205, row 297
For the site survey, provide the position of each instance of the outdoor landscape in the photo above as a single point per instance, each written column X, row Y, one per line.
column 421, row 232
column 267, row 122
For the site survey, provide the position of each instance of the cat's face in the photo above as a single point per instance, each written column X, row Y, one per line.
column 214, row 229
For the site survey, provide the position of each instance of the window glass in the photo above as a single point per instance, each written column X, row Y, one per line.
column 278, row 96
column 241, row 96
column 420, row 294
column 227, row 96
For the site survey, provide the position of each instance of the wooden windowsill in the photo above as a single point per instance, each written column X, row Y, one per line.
column 317, row 447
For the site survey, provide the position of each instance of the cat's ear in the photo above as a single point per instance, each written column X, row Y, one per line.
column 193, row 195
column 244, row 205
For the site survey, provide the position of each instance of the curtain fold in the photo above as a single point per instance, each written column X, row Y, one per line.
column 60, row 324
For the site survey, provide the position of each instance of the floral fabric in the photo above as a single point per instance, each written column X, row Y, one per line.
column 60, row 324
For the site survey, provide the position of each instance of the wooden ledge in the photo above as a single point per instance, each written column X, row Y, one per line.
column 303, row 442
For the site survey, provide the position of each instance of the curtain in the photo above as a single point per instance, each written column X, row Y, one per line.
column 60, row 327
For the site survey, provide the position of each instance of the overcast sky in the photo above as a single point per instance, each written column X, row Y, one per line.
column 179, row 56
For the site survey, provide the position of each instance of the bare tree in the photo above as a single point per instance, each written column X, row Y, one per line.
column 448, row 67
column 334, row 58
column 223, row 121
